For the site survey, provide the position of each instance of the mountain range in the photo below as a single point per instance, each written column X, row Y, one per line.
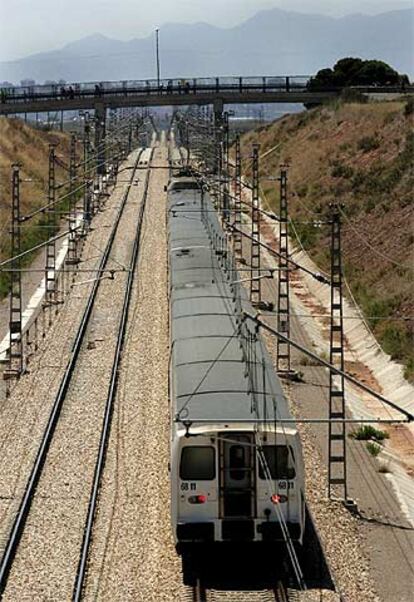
column 274, row 42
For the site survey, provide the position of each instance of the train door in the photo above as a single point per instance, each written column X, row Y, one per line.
column 237, row 477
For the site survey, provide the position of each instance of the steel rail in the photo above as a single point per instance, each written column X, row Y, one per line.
column 109, row 406
column 31, row 486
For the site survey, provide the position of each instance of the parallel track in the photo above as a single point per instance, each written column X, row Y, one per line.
column 113, row 388
column 18, row 527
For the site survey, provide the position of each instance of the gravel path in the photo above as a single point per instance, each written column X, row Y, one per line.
column 43, row 569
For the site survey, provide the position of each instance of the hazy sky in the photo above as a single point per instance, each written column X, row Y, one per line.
column 29, row 26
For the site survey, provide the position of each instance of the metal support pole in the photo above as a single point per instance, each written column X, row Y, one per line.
column 15, row 324
column 218, row 131
column 238, row 244
column 50, row 267
column 337, row 483
column 157, row 51
column 226, row 196
column 255, row 282
column 130, row 139
column 283, row 305
column 72, row 249
column 86, row 174
column 100, row 150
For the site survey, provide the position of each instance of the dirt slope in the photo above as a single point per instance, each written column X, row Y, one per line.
column 20, row 143
column 360, row 155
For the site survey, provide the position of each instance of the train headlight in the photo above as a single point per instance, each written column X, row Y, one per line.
column 197, row 499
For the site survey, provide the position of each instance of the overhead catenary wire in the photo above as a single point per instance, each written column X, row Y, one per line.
column 39, row 246
column 49, row 240
column 316, row 275
column 353, row 380
column 75, row 190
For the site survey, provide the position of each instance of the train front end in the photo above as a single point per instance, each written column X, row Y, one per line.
column 237, row 486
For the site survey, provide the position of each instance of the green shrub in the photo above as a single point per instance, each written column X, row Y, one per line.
column 409, row 369
column 409, row 106
column 342, row 171
column 373, row 448
column 306, row 360
column 368, row 143
column 302, row 190
column 396, row 340
column 307, row 233
column 368, row 432
column 352, row 95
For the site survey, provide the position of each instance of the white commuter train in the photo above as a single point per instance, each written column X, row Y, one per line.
column 236, row 472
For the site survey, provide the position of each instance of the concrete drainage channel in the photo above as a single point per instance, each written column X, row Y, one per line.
column 18, row 529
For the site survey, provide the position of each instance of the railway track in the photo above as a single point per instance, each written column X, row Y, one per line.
column 280, row 593
column 71, row 388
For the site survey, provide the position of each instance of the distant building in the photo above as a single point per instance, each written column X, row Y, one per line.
column 27, row 82
column 6, row 84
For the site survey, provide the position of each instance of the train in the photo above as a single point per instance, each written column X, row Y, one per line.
column 236, row 465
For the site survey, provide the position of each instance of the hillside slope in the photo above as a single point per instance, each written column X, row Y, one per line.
column 360, row 155
column 20, row 143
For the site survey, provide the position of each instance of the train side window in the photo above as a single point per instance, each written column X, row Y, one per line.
column 279, row 460
column 198, row 463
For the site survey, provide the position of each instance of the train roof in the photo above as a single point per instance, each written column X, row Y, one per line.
column 216, row 375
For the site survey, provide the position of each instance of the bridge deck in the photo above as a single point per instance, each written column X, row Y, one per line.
column 198, row 91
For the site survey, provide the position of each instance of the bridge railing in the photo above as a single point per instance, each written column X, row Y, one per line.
column 204, row 85
column 174, row 86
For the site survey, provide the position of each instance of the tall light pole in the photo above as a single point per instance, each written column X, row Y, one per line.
column 157, row 52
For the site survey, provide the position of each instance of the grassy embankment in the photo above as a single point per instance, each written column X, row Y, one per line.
column 360, row 155
column 20, row 143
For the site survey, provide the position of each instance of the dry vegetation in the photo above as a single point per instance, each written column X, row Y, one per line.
column 360, row 155
column 20, row 143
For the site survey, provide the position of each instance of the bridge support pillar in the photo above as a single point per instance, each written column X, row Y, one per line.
column 100, row 125
column 218, row 111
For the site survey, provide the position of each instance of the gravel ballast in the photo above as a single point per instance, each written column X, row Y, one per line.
column 46, row 559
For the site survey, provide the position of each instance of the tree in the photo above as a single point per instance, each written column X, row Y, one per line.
column 351, row 71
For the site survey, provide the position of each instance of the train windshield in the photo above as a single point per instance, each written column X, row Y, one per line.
column 279, row 462
column 198, row 463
